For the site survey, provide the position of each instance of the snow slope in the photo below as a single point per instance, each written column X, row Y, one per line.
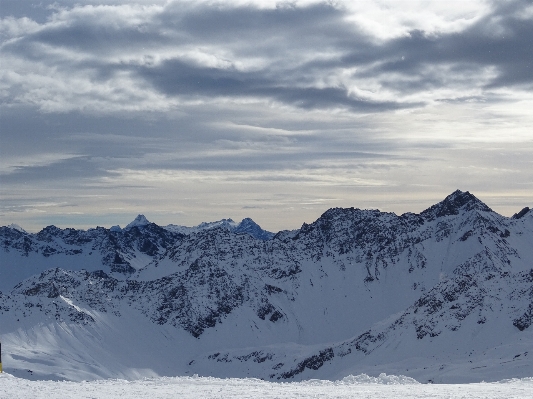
column 361, row 386
column 442, row 296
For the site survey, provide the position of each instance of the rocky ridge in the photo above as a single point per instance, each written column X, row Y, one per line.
column 314, row 302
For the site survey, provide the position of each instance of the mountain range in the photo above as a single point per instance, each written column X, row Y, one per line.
column 445, row 295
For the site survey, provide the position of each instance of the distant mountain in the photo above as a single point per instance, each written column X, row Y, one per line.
column 14, row 226
column 247, row 226
column 139, row 221
column 444, row 296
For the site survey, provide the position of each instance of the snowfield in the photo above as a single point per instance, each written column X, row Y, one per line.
column 361, row 386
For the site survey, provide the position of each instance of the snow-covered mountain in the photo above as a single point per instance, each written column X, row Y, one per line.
column 247, row 226
column 445, row 295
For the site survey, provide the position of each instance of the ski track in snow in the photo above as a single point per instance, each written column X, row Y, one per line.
column 208, row 387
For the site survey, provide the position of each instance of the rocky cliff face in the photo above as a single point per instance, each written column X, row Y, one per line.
column 353, row 291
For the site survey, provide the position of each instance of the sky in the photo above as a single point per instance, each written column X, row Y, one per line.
column 192, row 111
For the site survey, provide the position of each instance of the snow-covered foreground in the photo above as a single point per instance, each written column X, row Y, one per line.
column 361, row 386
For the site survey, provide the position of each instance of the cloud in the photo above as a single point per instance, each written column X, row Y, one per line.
column 307, row 99
column 68, row 169
column 137, row 57
column 291, row 55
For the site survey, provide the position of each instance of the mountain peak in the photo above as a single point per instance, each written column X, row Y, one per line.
column 248, row 222
column 247, row 225
column 453, row 203
column 139, row 221
column 521, row 214
column 228, row 223
column 17, row 227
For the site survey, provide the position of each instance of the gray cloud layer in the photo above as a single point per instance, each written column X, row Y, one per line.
column 157, row 95
column 296, row 51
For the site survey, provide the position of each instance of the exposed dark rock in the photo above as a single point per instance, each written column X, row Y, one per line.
column 525, row 320
column 521, row 214
column 314, row 363
column 453, row 203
